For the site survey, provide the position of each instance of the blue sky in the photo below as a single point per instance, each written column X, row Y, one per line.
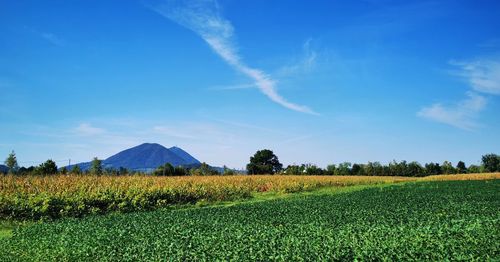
column 317, row 82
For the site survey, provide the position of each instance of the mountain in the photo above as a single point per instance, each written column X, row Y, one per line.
column 184, row 155
column 146, row 157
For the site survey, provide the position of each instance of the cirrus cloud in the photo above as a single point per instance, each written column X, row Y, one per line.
column 461, row 114
column 483, row 77
column 205, row 19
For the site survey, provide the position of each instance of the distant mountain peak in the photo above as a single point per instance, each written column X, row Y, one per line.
column 148, row 145
column 146, row 157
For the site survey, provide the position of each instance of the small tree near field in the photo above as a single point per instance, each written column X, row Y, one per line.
column 96, row 166
column 11, row 163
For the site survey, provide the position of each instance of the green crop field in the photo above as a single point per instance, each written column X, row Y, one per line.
column 457, row 220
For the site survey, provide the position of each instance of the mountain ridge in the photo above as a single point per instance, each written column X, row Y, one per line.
column 146, row 157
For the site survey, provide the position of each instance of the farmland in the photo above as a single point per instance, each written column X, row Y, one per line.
column 436, row 220
column 36, row 197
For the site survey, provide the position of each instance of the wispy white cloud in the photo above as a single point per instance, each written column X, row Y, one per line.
column 483, row 75
column 86, row 129
column 462, row 115
column 304, row 64
column 204, row 18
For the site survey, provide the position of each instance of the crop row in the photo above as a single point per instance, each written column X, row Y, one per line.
column 35, row 197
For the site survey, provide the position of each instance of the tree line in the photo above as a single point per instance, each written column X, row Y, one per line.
column 266, row 162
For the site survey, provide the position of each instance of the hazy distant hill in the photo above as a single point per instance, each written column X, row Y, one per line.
column 146, row 157
column 4, row 169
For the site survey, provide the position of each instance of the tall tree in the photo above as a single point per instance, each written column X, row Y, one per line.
column 264, row 162
column 96, row 166
column 461, row 168
column 11, row 162
column 491, row 162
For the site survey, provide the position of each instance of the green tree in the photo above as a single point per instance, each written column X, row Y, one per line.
column 165, row 170
column 330, row 170
column 228, row 172
column 294, row 170
column 474, row 169
column 357, row 170
column 398, row 168
column 491, row 162
column 49, row 167
column 461, row 168
column 313, row 170
column 204, row 170
column 11, row 163
column 96, row 166
column 180, row 171
column 64, row 170
column 415, row 169
column 123, row 171
column 75, row 170
column 343, row 169
column 432, row 169
column 264, row 162
column 26, row 171
column 447, row 168
column 377, row 169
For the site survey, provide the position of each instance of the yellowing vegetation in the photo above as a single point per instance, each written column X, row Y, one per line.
column 56, row 196
column 480, row 176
